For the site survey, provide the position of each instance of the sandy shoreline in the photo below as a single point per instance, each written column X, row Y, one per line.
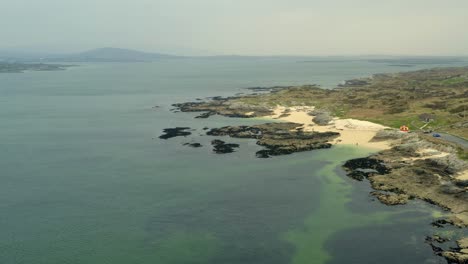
column 463, row 176
column 352, row 131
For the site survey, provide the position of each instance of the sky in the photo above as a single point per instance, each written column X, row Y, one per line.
column 238, row 27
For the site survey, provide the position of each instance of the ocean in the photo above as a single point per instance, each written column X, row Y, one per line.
column 85, row 179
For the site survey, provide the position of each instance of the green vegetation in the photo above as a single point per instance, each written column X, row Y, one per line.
column 434, row 99
column 455, row 80
column 462, row 154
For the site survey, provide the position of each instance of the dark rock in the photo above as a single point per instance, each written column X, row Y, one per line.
column 362, row 168
column 439, row 239
column 278, row 138
column 462, row 183
column 437, row 250
column 225, row 107
column 440, row 223
column 262, row 154
column 221, row 147
column 193, row 145
column 175, row 132
column 206, row 115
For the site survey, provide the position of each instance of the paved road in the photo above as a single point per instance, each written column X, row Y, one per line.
column 454, row 139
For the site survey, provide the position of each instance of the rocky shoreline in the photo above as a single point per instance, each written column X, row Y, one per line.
column 223, row 106
column 278, row 138
column 416, row 166
column 407, row 171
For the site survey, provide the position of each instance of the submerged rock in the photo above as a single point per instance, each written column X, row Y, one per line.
column 175, row 132
column 440, row 223
column 206, row 115
column 193, row 145
column 221, row 147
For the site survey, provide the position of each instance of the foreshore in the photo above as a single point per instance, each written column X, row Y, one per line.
column 352, row 131
column 405, row 166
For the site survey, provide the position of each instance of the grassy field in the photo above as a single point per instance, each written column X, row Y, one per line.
column 434, row 99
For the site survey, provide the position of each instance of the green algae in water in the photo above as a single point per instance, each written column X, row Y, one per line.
column 83, row 181
column 333, row 215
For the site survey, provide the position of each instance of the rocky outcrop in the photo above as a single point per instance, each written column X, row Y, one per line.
column 457, row 255
column 278, row 138
column 391, row 198
column 193, row 145
column 221, row 147
column 175, row 132
column 407, row 170
column 228, row 106
column 321, row 117
column 362, row 168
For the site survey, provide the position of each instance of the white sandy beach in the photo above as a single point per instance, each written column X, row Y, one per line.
column 463, row 176
column 352, row 131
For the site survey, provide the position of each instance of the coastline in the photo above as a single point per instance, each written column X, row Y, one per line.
column 352, row 131
column 405, row 166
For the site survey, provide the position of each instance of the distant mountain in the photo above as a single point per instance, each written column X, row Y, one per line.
column 111, row 55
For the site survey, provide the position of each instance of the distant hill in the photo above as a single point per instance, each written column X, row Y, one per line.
column 111, row 55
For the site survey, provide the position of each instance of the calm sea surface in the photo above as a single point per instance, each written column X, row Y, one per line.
column 84, row 178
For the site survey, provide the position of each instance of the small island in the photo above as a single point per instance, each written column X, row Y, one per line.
column 15, row 67
column 429, row 162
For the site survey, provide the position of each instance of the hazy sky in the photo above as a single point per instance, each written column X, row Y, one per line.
column 249, row 27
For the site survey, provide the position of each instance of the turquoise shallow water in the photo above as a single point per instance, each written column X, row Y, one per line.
column 84, row 178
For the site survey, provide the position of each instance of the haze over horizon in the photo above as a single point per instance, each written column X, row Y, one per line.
column 240, row 27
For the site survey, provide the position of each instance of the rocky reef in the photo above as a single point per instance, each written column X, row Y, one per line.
column 228, row 106
column 418, row 167
column 362, row 168
column 278, row 138
column 453, row 255
column 175, row 132
column 221, row 147
column 193, row 145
